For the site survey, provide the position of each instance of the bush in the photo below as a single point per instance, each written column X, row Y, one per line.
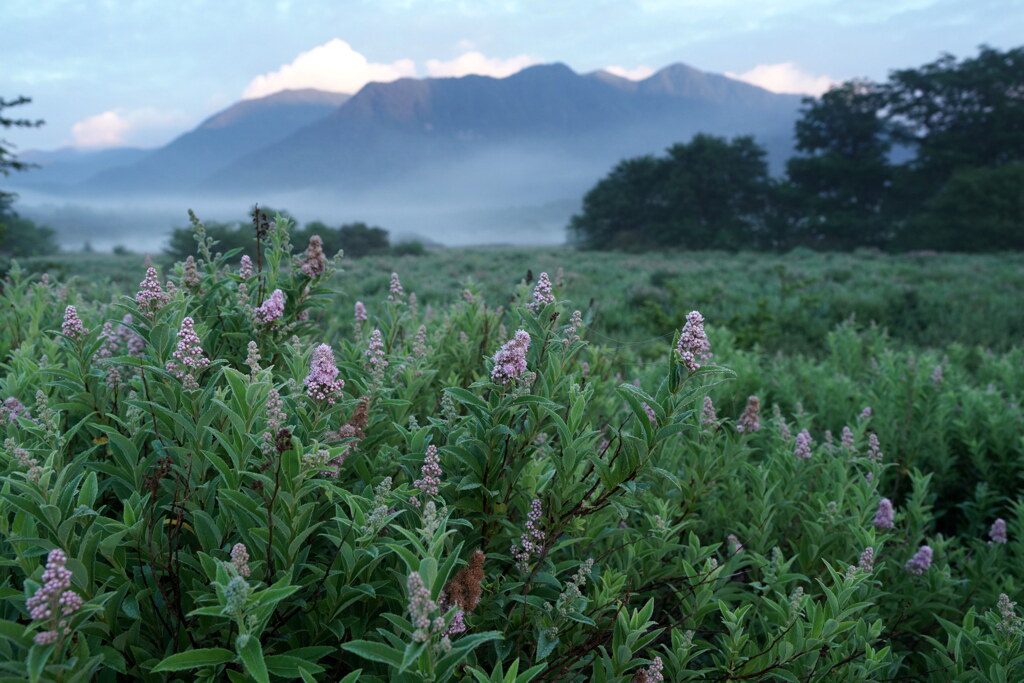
column 201, row 482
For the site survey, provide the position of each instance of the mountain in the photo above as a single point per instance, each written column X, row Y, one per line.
column 70, row 165
column 561, row 120
column 241, row 129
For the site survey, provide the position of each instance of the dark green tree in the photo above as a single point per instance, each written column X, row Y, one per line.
column 710, row 193
column 843, row 175
column 978, row 209
column 19, row 236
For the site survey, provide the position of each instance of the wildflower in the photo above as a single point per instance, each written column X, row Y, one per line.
column 109, row 342
column 378, row 508
column 867, row 560
column 921, row 561
column 419, row 344
column 884, row 514
column 784, row 432
column 272, row 309
column 803, row 445
column 430, row 474
column 650, row 674
column 734, row 544
column 412, row 304
column 72, row 325
column 245, row 269
column 252, row 359
column 54, row 602
column 468, row 297
column 313, row 262
column 420, row 607
column 866, row 413
column 151, row 296
column 937, row 375
column 750, row 421
column 998, row 531
column 708, row 417
column 510, row 359
column 275, row 420
column 395, row 289
column 360, row 312
column 322, row 382
column 190, row 357
column 874, row 454
column 1009, row 622
column 12, row 409
column 693, row 346
column 574, row 587
column 847, row 440
column 375, row 353
column 464, row 589
column 541, row 294
column 190, row 273
column 236, row 594
column 531, row 542
column 572, row 332
column 240, row 559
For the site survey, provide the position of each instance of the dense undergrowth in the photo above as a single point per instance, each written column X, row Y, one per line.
column 239, row 473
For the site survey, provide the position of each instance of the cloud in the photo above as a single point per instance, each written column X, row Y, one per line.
column 785, row 77
column 476, row 63
column 333, row 66
column 119, row 126
column 635, row 74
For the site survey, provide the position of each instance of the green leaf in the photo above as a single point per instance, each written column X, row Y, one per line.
column 209, row 656
column 251, row 653
column 377, row 652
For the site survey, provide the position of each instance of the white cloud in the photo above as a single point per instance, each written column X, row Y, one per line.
column 635, row 74
column 785, row 77
column 476, row 63
column 118, row 126
column 333, row 66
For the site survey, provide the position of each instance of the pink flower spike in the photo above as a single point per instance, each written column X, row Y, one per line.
column 322, row 383
column 272, row 309
column 693, row 346
column 510, row 360
column 72, row 325
column 189, row 357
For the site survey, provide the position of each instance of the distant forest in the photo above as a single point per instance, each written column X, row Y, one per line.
column 931, row 159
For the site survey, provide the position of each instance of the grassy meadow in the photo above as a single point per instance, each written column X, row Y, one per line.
column 431, row 468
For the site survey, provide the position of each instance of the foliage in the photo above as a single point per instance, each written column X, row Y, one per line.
column 706, row 194
column 220, row 523
column 20, row 237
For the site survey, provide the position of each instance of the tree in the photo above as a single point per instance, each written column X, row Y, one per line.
column 978, row 209
column 710, row 193
column 844, row 175
column 8, row 161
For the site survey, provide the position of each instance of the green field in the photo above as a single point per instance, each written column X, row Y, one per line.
column 624, row 528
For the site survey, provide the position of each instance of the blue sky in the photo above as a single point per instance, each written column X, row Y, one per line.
column 138, row 72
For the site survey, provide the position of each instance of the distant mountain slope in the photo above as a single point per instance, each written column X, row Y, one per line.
column 240, row 129
column 400, row 130
column 69, row 165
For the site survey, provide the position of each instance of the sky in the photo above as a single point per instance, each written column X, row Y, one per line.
column 108, row 73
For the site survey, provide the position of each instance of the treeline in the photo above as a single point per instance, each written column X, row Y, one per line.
column 355, row 239
column 933, row 158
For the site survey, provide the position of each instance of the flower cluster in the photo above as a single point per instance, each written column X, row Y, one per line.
column 360, row 312
column 531, row 542
column 572, row 332
column 375, row 354
column 189, row 357
column 803, row 445
column 542, row 295
column 998, row 531
column 420, row 608
column 846, row 442
column 12, row 409
column 151, row 296
column 240, row 560
column 322, row 382
column 693, row 346
column 395, row 288
column 574, row 587
column 867, row 560
column 430, row 474
column 54, row 602
column 1009, row 622
column 313, row 262
column 708, row 416
column 275, row 420
column 190, row 273
column 937, row 375
column 419, row 344
column 510, row 359
column 750, row 420
column 272, row 309
column 921, row 561
column 245, row 269
column 650, row 674
column 874, row 453
column 884, row 514
column 72, row 325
